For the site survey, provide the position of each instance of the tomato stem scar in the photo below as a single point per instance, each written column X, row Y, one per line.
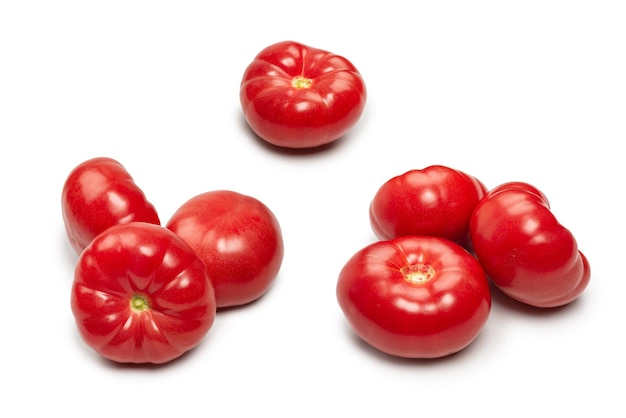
column 418, row 273
column 301, row 82
column 139, row 303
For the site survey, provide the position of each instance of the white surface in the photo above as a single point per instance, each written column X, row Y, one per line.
column 532, row 92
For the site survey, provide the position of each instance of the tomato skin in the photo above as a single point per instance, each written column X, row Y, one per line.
column 405, row 318
column 321, row 109
column 434, row 201
column 150, row 265
column 238, row 238
column 97, row 194
column 525, row 251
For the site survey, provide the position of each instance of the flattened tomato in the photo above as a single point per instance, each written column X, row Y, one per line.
column 525, row 251
column 141, row 295
column 100, row 193
column 295, row 96
column 415, row 297
column 238, row 238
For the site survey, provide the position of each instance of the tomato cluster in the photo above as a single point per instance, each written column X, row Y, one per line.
column 422, row 291
column 147, row 293
column 144, row 292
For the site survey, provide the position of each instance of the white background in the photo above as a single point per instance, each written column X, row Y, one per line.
column 532, row 91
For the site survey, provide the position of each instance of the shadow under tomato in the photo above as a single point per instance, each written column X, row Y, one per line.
column 225, row 309
column 519, row 308
column 292, row 151
column 411, row 362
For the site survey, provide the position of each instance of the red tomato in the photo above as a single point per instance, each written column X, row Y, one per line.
column 415, row 297
column 141, row 295
column 100, row 193
column 238, row 238
column 435, row 201
column 524, row 250
column 296, row 96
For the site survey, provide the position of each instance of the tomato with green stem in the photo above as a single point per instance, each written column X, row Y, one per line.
column 141, row 295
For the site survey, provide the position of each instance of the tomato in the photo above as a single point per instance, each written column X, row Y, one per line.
column 434, row 201
column 295, row 96
column 239, row 239
column 100, row 193
column 525, row 251
column 141, row 295
column 415, row 297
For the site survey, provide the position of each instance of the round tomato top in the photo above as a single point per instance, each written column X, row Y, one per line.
column 141, row 295
column 415, row 297
column 295, row 96
column 239, row 239
column 434, row 201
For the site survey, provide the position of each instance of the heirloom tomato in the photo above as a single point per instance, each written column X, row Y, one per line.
column 295, row 96
column 434, row 201
column 524, row 250
column 97, row 194
column 141, row 295
column 238, row 238
column 415, row 297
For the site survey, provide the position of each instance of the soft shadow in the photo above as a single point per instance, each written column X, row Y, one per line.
column 259, row 300
column 519, row 308
column 292, row 152
column 225, row 309
column 408, row 362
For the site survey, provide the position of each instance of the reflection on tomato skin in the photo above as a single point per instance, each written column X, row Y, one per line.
column 525, row 251
column 415, row 296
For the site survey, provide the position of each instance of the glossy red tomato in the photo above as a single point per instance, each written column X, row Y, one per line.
column 525, row 251
column 100, row 193
column 434, row 201
column 415, row 297
column 296, row 96
column 141, row 295
column 239, row 239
